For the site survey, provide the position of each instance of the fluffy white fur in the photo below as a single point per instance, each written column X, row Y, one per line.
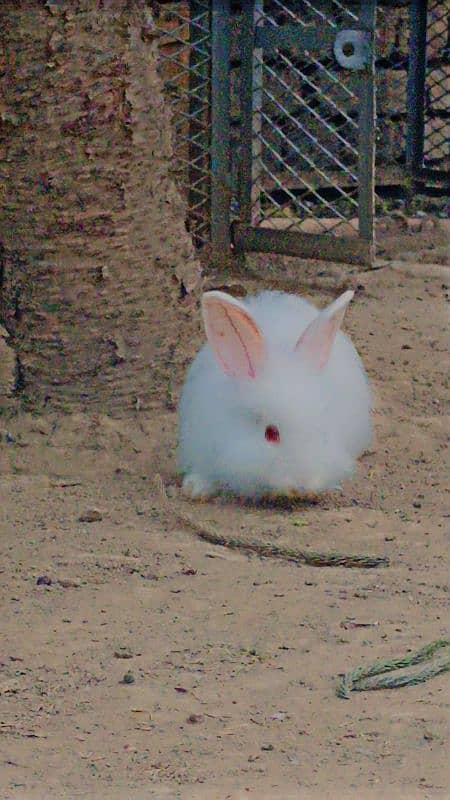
column 323, row 415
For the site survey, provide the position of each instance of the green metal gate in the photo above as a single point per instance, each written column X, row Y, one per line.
column 274, row 117
column 274, row 123
column 306, row 162
column 428, row 137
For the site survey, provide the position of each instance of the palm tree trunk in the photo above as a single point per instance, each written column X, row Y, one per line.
column 96, row 259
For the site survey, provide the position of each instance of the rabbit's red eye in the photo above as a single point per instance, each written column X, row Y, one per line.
column 272, row 434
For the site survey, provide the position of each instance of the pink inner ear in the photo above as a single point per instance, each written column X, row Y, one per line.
column 318, row 338
column 233, row 335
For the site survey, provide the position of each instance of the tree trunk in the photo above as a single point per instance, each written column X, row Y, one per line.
column 95, row 260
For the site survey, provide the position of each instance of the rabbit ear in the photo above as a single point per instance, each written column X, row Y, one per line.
column 317, row 340
column 233, row 335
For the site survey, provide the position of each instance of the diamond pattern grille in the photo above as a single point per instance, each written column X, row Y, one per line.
column 305, row 110
column 392, row 43
column 305, row 151
column 437, row 80
column 185, row 62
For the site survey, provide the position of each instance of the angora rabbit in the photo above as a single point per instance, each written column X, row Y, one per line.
column 276, row 402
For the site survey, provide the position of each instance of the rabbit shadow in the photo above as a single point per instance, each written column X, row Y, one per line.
column 289, row 503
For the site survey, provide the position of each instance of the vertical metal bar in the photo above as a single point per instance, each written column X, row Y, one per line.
column 257, row 95
column 220, row 132
column 416, row 86
column 246, row 102
column 198, row 179
column 366, row 133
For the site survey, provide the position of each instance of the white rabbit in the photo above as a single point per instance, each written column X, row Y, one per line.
column 276, row 402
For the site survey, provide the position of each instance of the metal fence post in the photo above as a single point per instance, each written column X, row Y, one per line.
column 220, row 132
column 366, row 145
column 416, row 88
column 257, row 104
column 246, row 105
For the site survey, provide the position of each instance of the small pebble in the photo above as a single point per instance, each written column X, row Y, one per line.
column 91, row 515
column 123, row 652
column 43, row 580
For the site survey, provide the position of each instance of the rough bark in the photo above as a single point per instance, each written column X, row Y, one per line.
column 96, row 258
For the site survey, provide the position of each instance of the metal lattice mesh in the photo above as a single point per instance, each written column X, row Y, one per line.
column 437, row 80
column 391, row 54
column 392, row 57
column 305, row 110
column 305, row 147
column 185, row 58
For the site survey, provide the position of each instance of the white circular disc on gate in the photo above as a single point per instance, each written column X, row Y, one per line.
column 351, row 49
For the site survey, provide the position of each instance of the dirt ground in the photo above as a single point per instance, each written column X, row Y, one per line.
column 138, row 661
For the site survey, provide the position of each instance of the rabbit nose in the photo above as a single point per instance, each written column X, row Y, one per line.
column 272, row 434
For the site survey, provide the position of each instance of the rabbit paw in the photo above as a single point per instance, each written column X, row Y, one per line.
column 196, row 487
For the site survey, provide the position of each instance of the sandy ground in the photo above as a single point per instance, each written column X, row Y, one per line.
column 231, row 659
